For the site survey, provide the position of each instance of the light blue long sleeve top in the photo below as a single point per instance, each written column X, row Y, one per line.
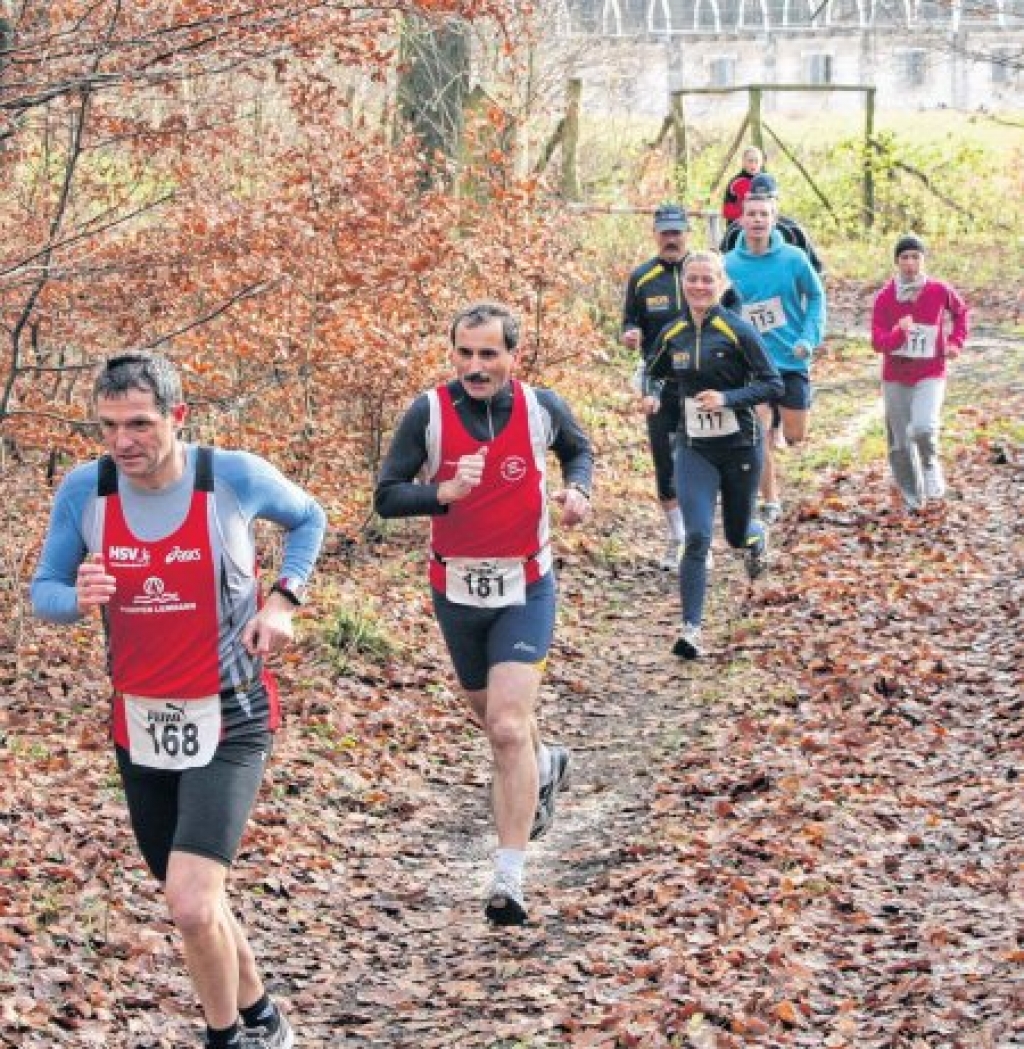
column 782, row 297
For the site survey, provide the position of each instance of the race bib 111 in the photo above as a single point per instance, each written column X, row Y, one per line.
column 921, row 342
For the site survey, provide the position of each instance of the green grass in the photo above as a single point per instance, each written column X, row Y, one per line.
column 356, row 631
column 971, row 159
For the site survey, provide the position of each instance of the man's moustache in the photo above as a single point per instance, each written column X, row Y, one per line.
column 475, row 377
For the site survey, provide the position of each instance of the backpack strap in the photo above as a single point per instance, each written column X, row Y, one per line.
column 204, row 469
column 106, row 480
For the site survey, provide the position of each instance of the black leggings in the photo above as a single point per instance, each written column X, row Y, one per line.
column 202, row 811
column 661, row 433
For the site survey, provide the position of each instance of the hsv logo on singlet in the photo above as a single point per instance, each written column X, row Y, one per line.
column 163, row 621
column 129, row 556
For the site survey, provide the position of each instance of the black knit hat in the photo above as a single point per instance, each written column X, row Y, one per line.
column 909, row 242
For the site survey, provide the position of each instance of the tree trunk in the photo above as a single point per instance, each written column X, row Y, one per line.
column 433, row 84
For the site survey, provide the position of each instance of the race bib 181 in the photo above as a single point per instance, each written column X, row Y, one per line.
column 485, row 584
column 172, row 734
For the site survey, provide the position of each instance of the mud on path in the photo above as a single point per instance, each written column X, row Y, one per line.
column 812, row 837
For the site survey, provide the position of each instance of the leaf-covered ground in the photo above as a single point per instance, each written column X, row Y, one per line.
column 811, row 838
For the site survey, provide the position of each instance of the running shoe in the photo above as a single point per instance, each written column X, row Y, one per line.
column 756, row 555
column 934, row 482
column 283, row 1036
column 670, row 559
column 667, row 565
column 688, row 645
column 505, row 904
column 770, row 512
column 545, row 814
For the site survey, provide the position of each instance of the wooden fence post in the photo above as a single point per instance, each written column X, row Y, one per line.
column 570, row 139
column 869, row 168
column 677, row 114
column 754, row 116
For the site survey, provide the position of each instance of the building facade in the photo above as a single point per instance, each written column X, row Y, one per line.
column 917, row 53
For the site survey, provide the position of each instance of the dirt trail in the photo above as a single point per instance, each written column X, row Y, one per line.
column 430, row 974
column 364, row 887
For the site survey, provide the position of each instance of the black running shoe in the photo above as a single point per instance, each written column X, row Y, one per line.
column 545, row 814
column 756, row 555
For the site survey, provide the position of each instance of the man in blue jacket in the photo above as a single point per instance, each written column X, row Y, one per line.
column 784, row 299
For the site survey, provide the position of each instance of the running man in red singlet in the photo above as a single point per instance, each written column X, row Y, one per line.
column 158, row 535
column 481, row 442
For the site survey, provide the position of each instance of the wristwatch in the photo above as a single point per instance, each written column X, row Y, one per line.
column 291, row 589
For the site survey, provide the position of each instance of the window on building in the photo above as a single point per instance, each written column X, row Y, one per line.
column 1004, row 63
column 913, row 66
column 819, row 69
column 722, row 71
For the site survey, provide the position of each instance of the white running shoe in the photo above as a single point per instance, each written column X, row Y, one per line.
column 770, row 513
column 545, row 814
column 934, row 482
column 670, row 559
column 755, row 555
column 260, row 1038
column 505, row 905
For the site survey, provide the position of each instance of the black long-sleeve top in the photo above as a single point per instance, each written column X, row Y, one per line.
column 398, row 494
column 722, row 353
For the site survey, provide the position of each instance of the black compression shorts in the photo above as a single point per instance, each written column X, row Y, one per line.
column 202, row 811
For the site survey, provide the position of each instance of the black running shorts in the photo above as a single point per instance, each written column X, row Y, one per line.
column 203, row 811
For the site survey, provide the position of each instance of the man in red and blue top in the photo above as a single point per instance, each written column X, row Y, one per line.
column 479, row 443
column 158, row 535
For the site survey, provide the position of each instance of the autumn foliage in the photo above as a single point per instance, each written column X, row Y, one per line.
column 228, row 183
column 810, row 838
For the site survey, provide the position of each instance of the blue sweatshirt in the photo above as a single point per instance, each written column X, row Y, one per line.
column 782, row 297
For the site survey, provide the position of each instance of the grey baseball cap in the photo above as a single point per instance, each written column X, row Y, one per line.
column 670, row 218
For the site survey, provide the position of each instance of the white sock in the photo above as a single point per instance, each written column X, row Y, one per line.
column 544, row 770
column 674, row 518
column 510, row 862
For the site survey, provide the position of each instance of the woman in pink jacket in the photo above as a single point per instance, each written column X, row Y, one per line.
column 917, row 324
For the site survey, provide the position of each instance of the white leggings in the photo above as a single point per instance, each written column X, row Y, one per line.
column 912, row 426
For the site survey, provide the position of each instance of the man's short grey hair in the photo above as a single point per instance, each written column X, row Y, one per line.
column 148, row 372
column 481, row 313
